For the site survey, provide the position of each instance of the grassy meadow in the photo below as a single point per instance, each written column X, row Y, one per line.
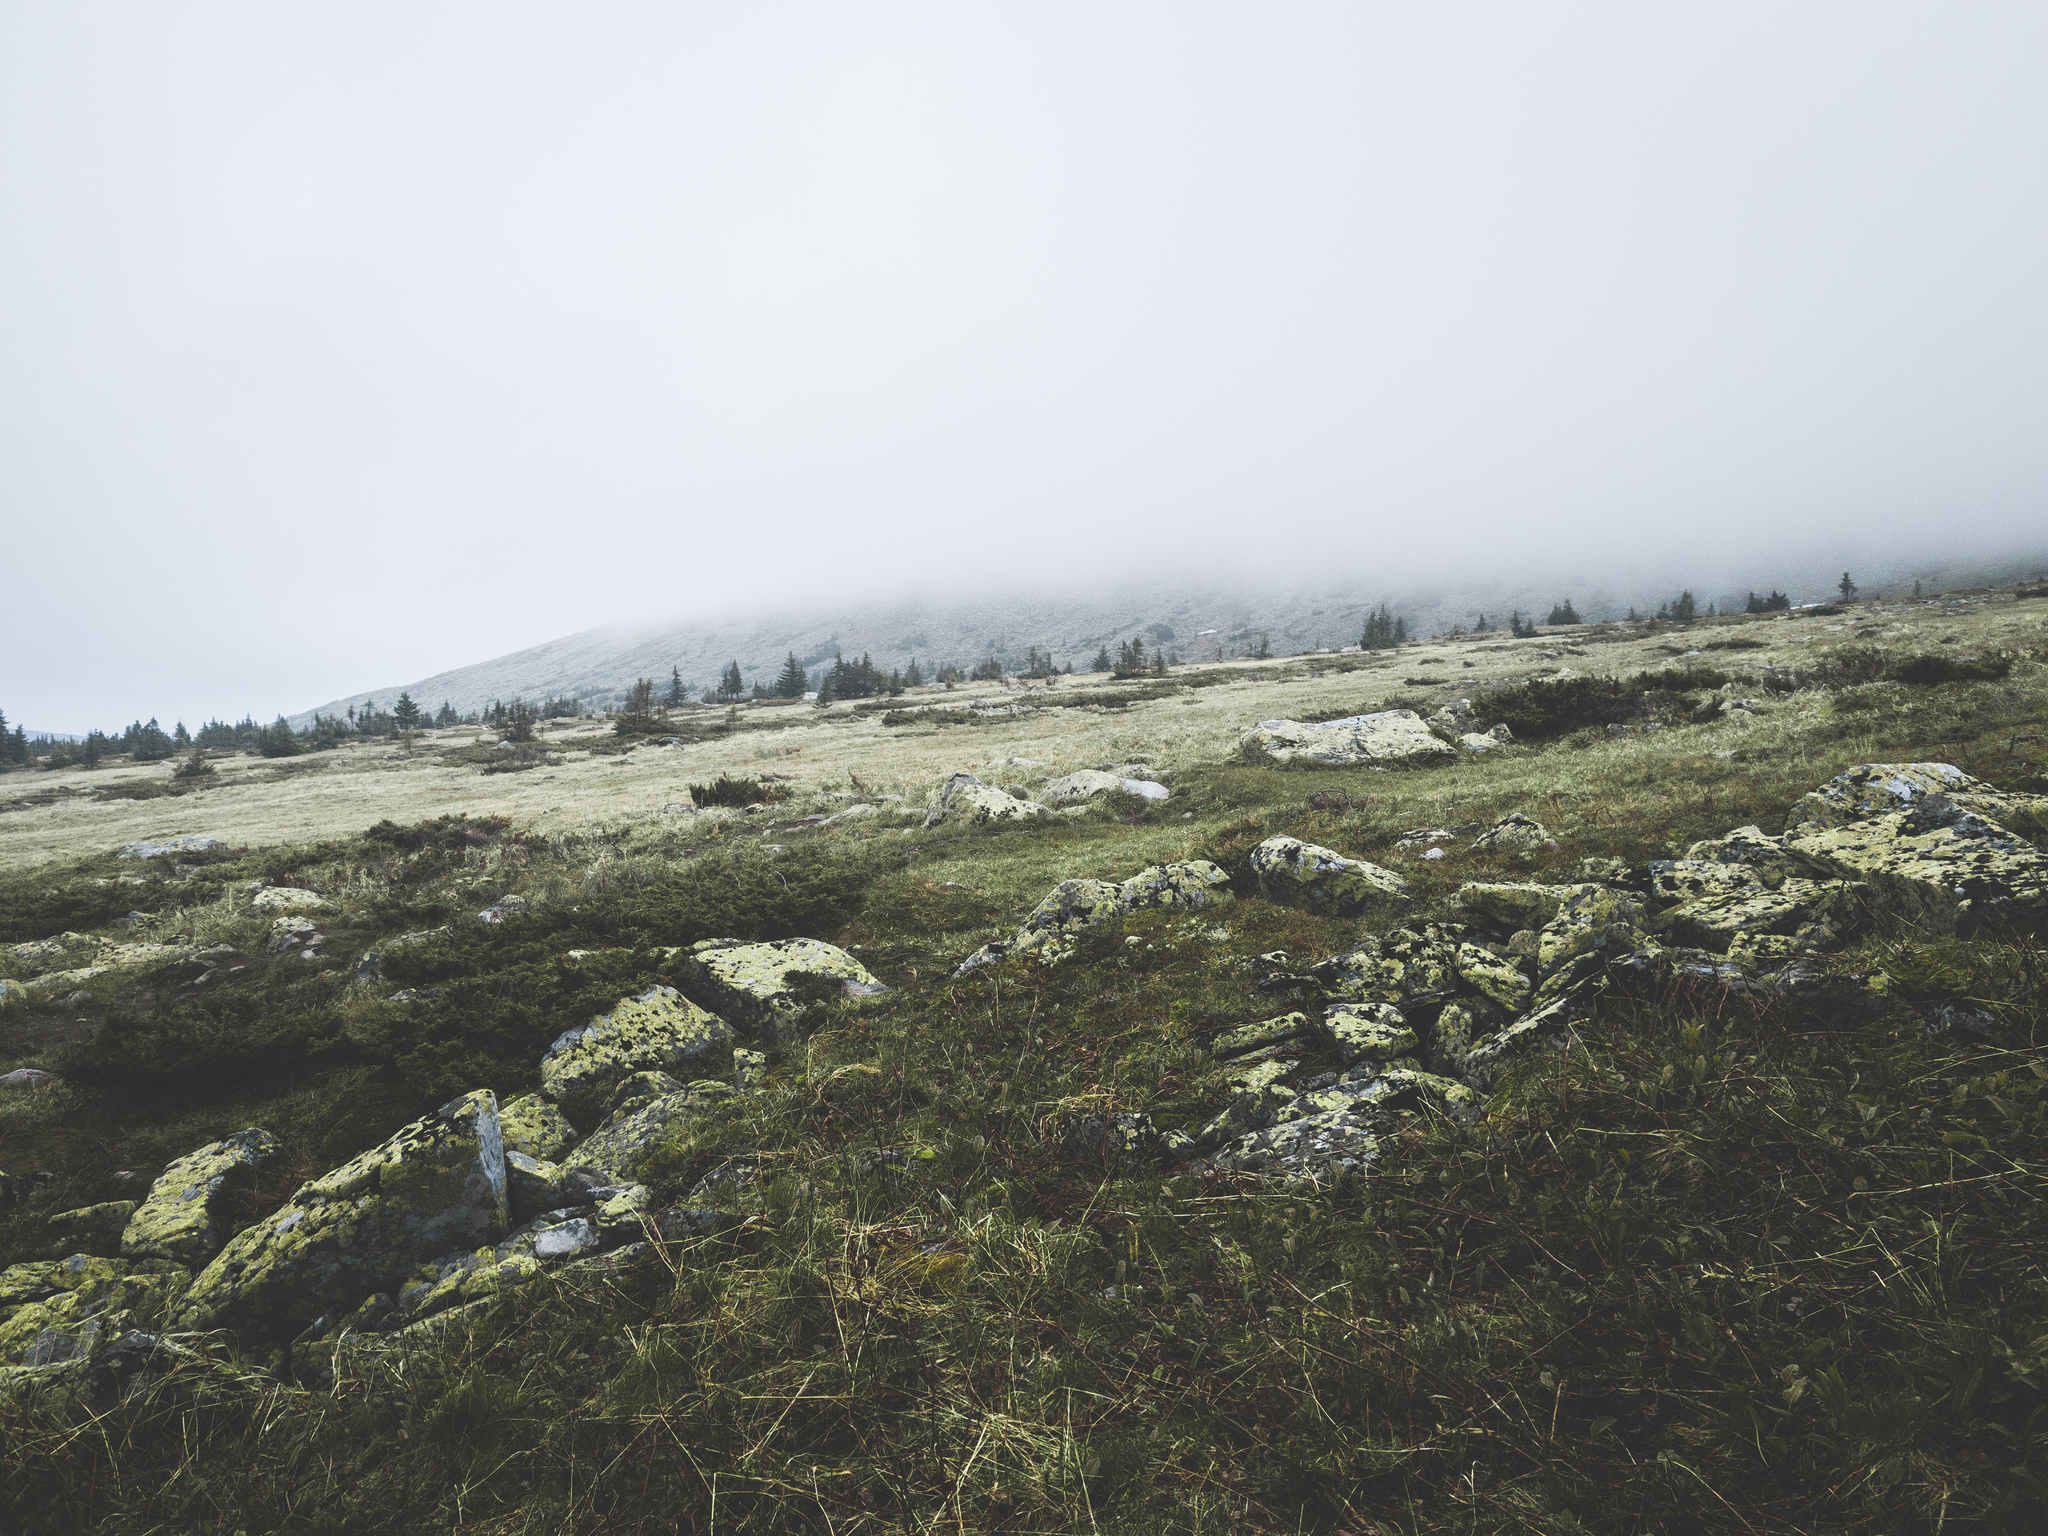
column 1716, row 1267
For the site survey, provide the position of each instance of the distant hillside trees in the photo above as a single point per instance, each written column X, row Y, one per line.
column 1681, row 607
column 445, row 716
column 147, row 743
column 13, row 747
column 1383, row 631
column 1847, row 588
column 678, row 690
column 987, row 671
column 1777, row 602
column 731, row 685
column 947, row 674
column 912, row 678
column 566, row 707
column 1039, row 663
column 1102, row 663
column 405, row 714
column 1564, row 613
column 1521, row 628
column 278, row 740
column 790, row 682
column 1130, row 659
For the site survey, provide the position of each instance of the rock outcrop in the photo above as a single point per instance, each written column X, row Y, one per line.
column 436, row 1186
column 1292, row 873
column 1392, row 738
column 1078, row 788
column 184, row 1219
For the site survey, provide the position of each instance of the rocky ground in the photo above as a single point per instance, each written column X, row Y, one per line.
column 1399, row 1117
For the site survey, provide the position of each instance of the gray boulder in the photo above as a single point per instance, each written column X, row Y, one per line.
column 1392, row 738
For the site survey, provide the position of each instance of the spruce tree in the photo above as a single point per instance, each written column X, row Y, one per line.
column 405, row 713
column 730, row 684
column 912, row 678
column 1847, row 588
column 1102, row 662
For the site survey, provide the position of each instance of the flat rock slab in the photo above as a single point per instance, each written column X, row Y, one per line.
column 1877, row 789
column 1392, row 738
column 184, row 1217
column 658, row 1030
column 770, row 990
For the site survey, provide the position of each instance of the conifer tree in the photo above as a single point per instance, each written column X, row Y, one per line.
column 678, row 690
column 1847, row 588
column 730, row 684
column 1102, row 662
column 790, row 683
column 405, row 714
column 912, row 678
column 181, row 738
column 1564, row 613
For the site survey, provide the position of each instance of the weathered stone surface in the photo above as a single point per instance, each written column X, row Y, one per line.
column 184, row 1217
column 1367, row 1032
column 1519, row 905
column 1812, row 914
column 769, row 990
column 1514, row 833
column 620, row 1146
column 532, row 1125
column 13, row 995
column 1870, row 790
column 1752, row 848
column 436, row 1186
column 532, row 1185
column 1935, row 866
column 1393, row 738
column 66, row 951
column 1292, row 873
column 1074, row 788
column 1493, row 977
column 1266, row 1032
column 285, row 898
column 965, row 800
column 92, row 1228
column 1315, row 1146
column 658, row 1029
column 1590, row 915
column 68, row 1309
column 1074, row 906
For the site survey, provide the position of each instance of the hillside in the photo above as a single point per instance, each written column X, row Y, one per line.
column 1626, row 1120
column 1197, row 621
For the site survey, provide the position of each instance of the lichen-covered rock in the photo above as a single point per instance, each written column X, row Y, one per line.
column 1074, row 906
column 285, row 898
column 658, row 1029
column 1514, row 833
column 1315, row 1146
column 965, row 800
column 1936, row 866
column 637, row 1091
column 436, row 1186
column 532, row 1185
column 1367, row 1032
column 1074, row 788
column 1259, row 1071
column 1549, row 1023
column 95, row 1381
column 13, row 995
column 1392, row 738
column 770, row 990
column 1809, row 914
column 1677, row 880
column 1590, row 916
column 184, row 1215
column 1252, row 1110
column 621, row 1146
column 1752, row 848
column 92, row 1228
column 1493, row 977
column 1365, row 974
column 1513, row 904
column 184, row 845
column 532, row 1125
column 1114, row 1143
column 1288, row 1027
column 1871, row 790
column 1292, row 873
column 66, row 1309
column 66, row 951
column 289, row 933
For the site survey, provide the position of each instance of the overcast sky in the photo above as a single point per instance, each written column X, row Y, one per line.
column 344, row 343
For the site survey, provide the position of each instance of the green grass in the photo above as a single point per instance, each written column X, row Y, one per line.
column 1715, row 1268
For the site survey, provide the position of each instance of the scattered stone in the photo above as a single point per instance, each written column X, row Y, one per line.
column 436, row 1186
column 1075, row 788
column 13, row 995
column 1936, row 866
column 1429, row 837
column 1292, row 873
column 658, row 1029
column 1367, row 1032
column 182, row 1218
column 771, row 990
column 285, row 898
column 1871, row 790
column 1514, row 833
column 1393, row 738
column 502, row 908
column 26, row 1077
column 65, row 951
column 93, row 1228
column 620, row 1146
column 964, row 799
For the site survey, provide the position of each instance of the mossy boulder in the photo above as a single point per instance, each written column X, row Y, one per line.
column 657, row 1030
column 532, row 1125
column 183, row 1218
column 1494, row 976
column 1367, row 1032
column 13, row 995
column 1811, row 914
column 435, row 1187
column 771, row 990
column 1871, row 790
column 66, row 1309
column 1391, row 738
column 1286, row 1029
column 1292, row 873
column 65, row 951
column 1075, row 788
column 1752, row 848
column 1589, row 916
column 620, row 1147
column 963, row 800
column 1514, row 904
column 92, row 1228
column 286, row 898
column 1514, row 833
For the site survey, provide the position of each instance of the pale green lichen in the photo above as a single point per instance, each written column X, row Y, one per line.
column 1390, row 738
column 964, row 799
column 1592, row 915
column 1367, row 1031
column 1074, row 906
column 1292, row 873
column 1515, row 904
column 620, row 1147
column 532, row 1125
column 1878, row 789
column 1267, row 1032
column 770, row 990
column 182, row 1218
column 435, row 1186
column 1809, row 914
column 657, row 1030
column 1937, row 866
column 1493, row 977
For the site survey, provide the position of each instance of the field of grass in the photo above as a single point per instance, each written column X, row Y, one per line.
column 1717, row 1267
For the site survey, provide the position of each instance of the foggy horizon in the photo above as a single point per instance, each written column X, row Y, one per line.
column 344, row 347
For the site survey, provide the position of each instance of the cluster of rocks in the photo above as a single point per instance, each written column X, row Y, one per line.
column 445, row 1214
column 1421, row 1019
column 1072, row 907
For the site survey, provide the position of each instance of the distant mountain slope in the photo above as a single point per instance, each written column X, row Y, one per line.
column 1193, row 621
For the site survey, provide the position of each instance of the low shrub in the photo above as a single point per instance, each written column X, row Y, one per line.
column 727, row 790
column 1558, row 706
